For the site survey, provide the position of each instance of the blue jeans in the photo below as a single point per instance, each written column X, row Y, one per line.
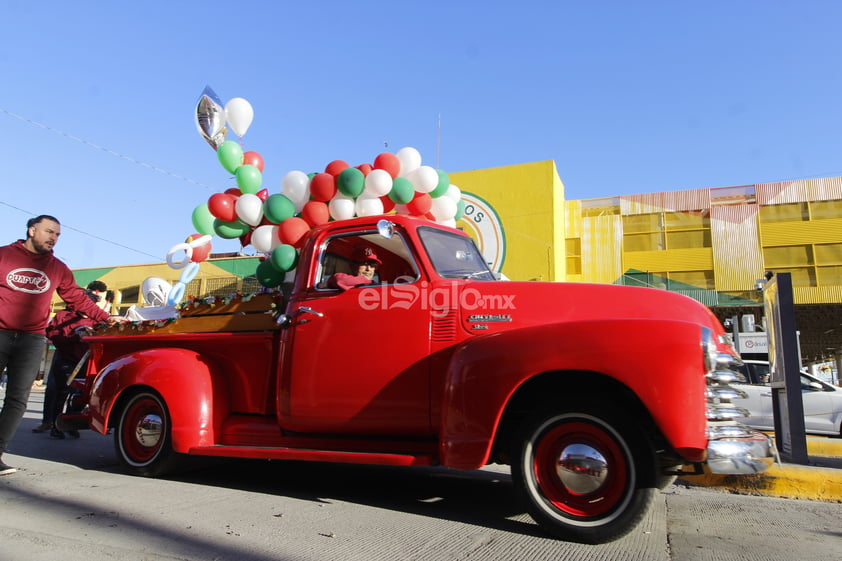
column 20, row 354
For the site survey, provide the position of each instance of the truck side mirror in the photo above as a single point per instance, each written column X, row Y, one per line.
column 385, row 228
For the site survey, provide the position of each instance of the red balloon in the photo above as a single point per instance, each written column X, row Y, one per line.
column 388, row 162
column 245, row 239
column 223, row 206
column 388, row 203
column 293, row 231
column 336, row 167
column 253, row 158
column 315, row 213
column 234, row 191
column 323, row 187
column 365, row 168
column 420, row 204
column 199, row 253
column 263, row 194
column 429, row 216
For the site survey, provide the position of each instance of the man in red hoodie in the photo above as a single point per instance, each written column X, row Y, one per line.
column 29, row 276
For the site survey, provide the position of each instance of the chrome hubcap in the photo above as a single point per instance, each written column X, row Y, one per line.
column 148, row 431
column 581, row 468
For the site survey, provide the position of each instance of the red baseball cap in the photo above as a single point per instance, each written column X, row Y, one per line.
column 362, row 254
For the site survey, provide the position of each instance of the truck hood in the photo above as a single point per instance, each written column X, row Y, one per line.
column 486, row 307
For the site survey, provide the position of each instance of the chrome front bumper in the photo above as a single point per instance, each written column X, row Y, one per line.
column 735, row 449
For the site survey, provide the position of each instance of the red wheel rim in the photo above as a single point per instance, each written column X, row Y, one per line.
column 142, row 430
column 546, row 465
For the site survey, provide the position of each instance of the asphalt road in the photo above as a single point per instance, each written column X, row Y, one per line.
column 70, row 501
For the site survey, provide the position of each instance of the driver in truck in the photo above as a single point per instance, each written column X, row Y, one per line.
column 364, row 264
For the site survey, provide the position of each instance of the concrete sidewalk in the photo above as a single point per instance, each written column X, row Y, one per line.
column 820, row 480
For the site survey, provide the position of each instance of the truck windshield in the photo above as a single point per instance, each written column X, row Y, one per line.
column 454, row 256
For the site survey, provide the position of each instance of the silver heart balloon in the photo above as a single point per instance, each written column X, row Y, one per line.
column 210, row 118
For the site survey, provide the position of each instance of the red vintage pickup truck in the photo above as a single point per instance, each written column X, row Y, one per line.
column 595, row 395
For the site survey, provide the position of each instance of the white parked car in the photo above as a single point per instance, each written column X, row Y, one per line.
column 822, row 401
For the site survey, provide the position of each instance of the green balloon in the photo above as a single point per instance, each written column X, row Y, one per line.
column 249, row 178
column 402, row 191
column 284, row 258
column 203, row 220
column 442, row 185
column 351, row 182
column 277, row 208
column 268, row 276
column 230, row 230
column 230, row 155
column 460, row 209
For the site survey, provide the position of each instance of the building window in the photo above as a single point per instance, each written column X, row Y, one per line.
column 820, row 210
column 691, row 280
column 573, row 253
column 666, row 230
column 788, row 256
column 790, row 212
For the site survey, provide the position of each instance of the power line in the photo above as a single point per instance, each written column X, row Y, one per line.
column 32, row 214
column 107, row 151
column 104, row 149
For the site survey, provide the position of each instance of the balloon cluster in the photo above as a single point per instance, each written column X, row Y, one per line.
column 276, row 224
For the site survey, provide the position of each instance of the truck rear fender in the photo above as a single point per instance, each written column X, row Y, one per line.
column 190, row 384
column 657, row 361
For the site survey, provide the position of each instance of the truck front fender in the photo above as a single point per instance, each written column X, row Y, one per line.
column 660, row 361
column 188, row 382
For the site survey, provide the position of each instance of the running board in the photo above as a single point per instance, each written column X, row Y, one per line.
column 303, row 454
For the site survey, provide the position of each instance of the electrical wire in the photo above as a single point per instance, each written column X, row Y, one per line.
column 32, row 214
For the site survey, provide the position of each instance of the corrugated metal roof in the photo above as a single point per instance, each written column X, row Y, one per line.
column 798, row 191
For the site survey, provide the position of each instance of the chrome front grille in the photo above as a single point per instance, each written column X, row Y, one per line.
column 732, row 448
column 722, row 413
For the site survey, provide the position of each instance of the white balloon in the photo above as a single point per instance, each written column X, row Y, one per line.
column 341, row 208
column 249, row 208
column 424, row 179
column 239, row 114
column 378, row 183
column 453, row 192
column 174, row 250
column 410, row 159
column 265, row 238
column 368, row 206
column 451, row 222
column 296, row 186
column 444, row 208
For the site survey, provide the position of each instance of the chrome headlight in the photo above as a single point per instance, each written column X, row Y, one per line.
column 710, row 353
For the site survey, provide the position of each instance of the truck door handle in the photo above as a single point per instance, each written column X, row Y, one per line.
column 285, row 320
column 307, row 310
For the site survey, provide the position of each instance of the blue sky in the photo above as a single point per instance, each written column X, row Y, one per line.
column 97, row 99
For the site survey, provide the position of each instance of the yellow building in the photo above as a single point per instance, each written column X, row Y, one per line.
column 710, row 244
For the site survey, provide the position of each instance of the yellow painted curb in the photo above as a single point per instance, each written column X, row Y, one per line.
column 825, row 447
column 787, row 481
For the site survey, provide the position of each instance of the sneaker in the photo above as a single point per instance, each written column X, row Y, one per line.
column 6, row 470
column 55, row 433
column 73, row 433
column 43, row 427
